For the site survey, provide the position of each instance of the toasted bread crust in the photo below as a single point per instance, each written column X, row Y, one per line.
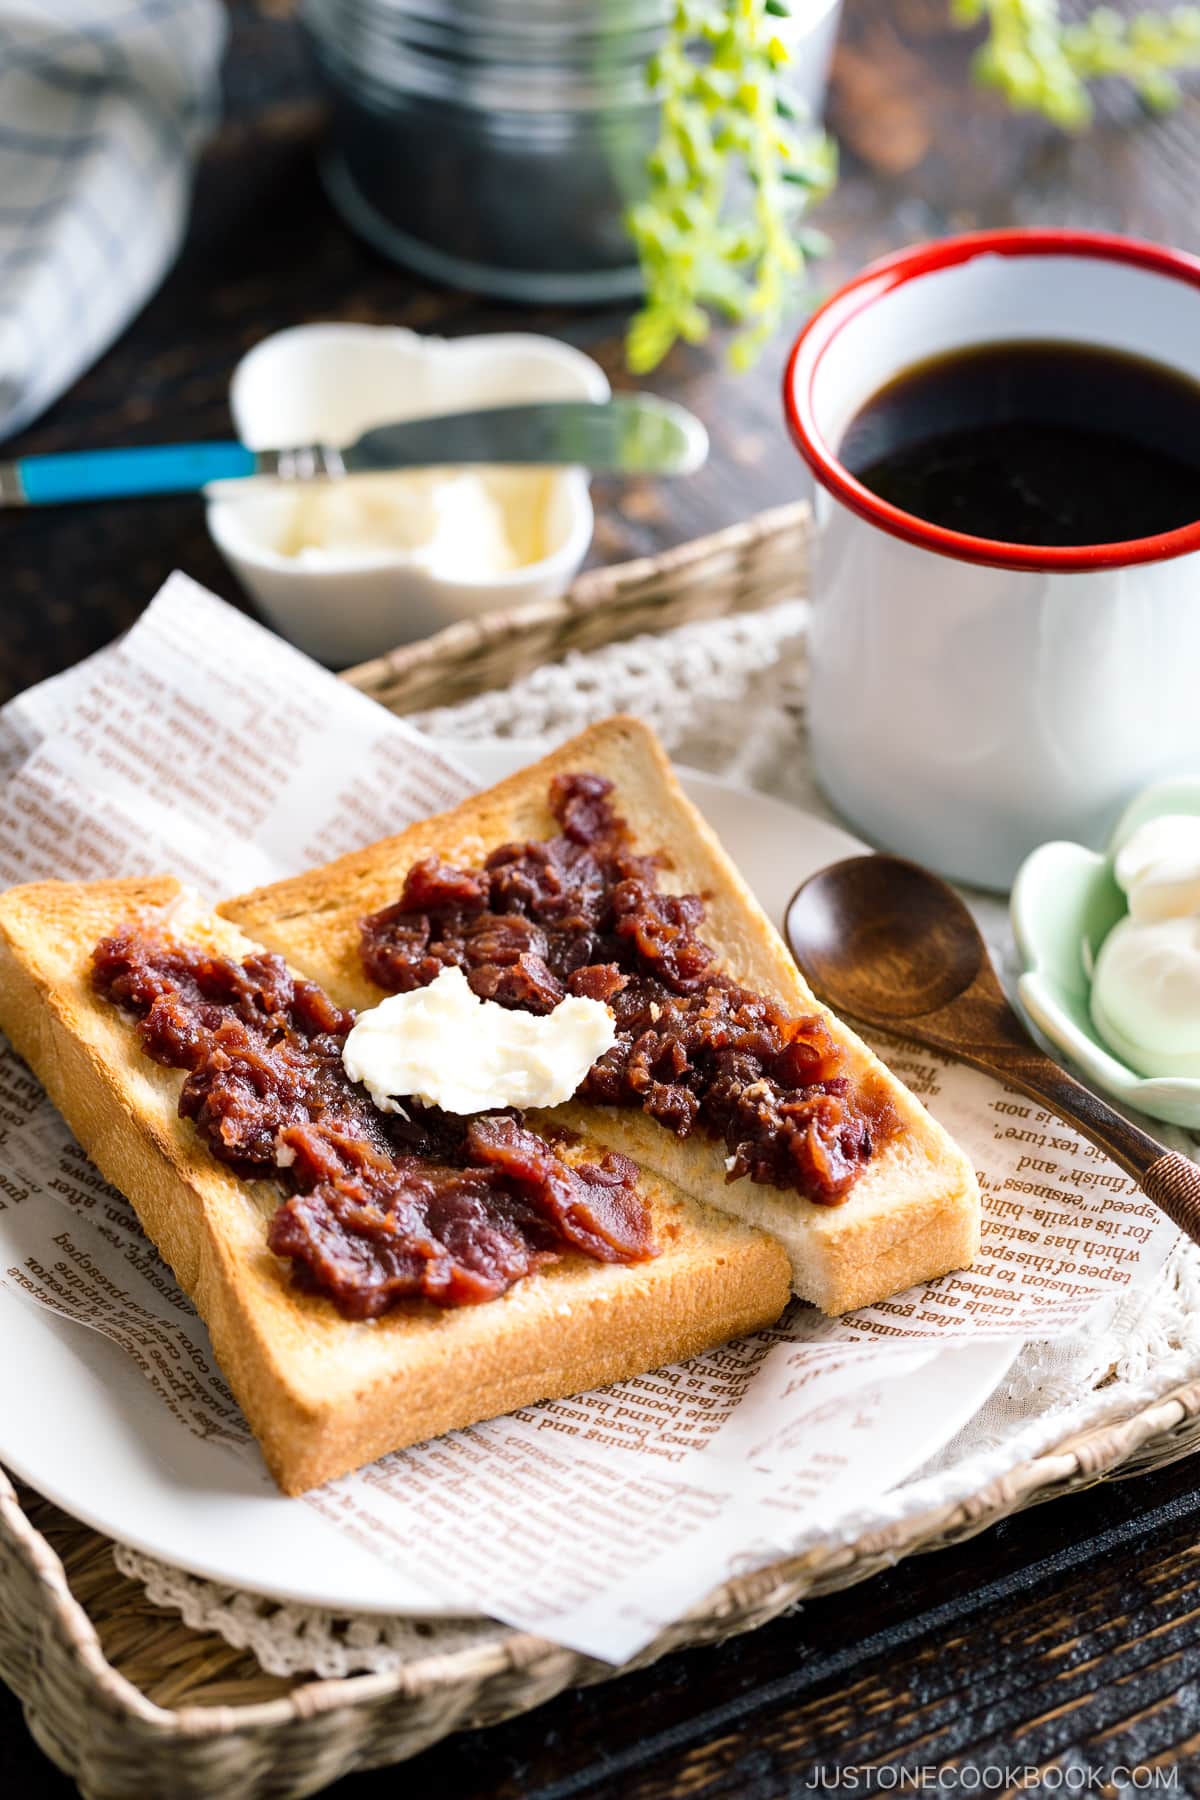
column 324, row 1394
column 913, row 1214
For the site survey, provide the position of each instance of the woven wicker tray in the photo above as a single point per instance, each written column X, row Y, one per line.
column 130, row 1701
column 738, row 570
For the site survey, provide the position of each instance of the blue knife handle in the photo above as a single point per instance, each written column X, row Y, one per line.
column 154, row 469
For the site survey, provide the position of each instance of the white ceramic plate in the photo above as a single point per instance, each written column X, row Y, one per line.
column 75, row 1427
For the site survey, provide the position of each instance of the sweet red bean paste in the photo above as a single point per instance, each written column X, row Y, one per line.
column 381, row 1207
column 581, row 913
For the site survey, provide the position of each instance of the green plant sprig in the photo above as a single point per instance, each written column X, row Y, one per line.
column 1042, row 64
column 734, row 169
column 726, row 123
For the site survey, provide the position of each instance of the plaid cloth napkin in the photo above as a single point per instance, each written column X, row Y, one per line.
column 103, row 104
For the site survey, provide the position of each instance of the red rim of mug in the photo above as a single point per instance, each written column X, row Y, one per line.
column 884, row 277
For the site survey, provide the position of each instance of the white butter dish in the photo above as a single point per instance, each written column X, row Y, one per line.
column 351, row 569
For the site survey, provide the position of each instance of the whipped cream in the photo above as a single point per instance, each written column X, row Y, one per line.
column 448, row 521
column 1159, row 868
column 1146, row 983
column 445, row 1046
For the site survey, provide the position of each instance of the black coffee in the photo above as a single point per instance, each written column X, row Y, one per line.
column 1035, row 443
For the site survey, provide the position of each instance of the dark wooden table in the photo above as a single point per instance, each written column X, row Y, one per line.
column 1066, row 1637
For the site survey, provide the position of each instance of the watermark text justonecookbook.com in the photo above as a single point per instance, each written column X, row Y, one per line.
column 989, row 1778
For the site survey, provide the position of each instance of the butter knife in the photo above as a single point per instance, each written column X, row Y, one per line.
column 629, row 434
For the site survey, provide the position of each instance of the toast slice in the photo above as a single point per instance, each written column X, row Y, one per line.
column 324, row 1394
column 913, row 1214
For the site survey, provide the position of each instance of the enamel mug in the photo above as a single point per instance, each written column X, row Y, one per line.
column 970, row 699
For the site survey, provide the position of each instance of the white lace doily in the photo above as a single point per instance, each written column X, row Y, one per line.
column 727, row 696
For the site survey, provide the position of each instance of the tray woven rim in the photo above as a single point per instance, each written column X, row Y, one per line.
column 1151, row 1436
column 737, row 569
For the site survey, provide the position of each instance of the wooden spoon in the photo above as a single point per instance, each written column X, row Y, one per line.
column 891, row 945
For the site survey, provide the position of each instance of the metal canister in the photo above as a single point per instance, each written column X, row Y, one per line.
column 493, row 144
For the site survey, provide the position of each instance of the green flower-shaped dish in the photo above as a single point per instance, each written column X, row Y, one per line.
column 1064, row 904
